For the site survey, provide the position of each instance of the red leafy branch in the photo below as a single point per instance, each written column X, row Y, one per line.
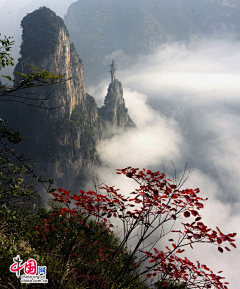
column 156, row 202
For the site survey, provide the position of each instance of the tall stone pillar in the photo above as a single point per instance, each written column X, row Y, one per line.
column 113, row 71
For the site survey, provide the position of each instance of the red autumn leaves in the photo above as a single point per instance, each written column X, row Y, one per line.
column 155, row 198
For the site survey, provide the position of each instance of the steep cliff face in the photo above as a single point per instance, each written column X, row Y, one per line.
column 62, row 141
column 46, row 45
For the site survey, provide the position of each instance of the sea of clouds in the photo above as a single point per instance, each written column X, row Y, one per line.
column 185, row 101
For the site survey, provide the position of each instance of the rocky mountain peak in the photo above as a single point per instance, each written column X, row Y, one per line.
column 63, row 142
column 114, row 109
column 46, row 45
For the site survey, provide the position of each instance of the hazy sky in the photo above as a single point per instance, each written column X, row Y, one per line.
column 13, row 11
column 185, row 102
column 186, row 105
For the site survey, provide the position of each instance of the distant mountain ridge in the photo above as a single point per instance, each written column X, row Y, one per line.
column 98, row 28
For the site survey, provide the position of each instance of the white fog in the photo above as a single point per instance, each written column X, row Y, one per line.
column 185, row 102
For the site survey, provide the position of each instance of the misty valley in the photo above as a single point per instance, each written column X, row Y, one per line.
column 119, row 144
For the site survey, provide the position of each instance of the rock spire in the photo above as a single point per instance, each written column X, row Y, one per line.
column 113, row 71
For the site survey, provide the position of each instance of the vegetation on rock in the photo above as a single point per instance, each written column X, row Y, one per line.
column 42, row 37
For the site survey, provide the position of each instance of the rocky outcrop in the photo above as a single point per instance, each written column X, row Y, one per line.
column 114, row 110
column 62, row 141
column 46, row 45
